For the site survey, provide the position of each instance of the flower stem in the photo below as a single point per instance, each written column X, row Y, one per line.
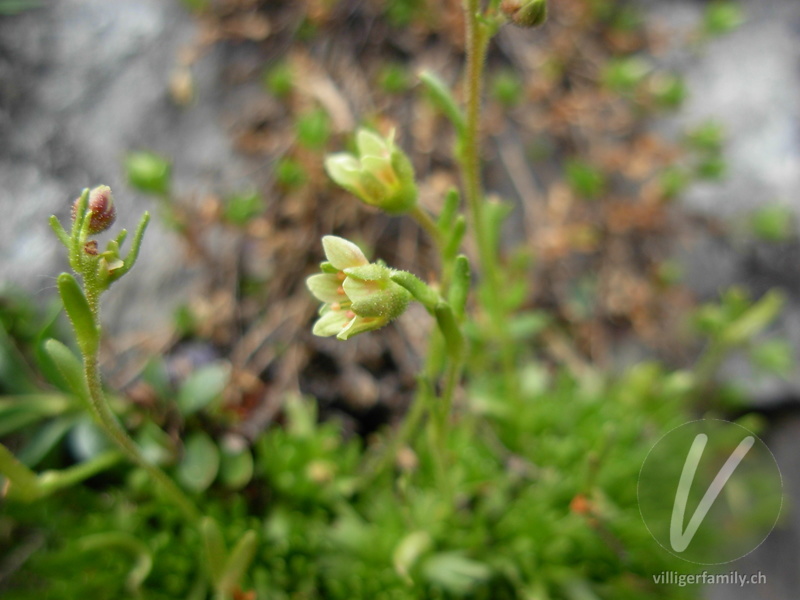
column 477, row 41
column 114, row 429
column 423, row 218
column 478, row 34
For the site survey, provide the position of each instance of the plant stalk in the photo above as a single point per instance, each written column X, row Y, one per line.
column 120, row 437
column 421, row 216
column 477, row 37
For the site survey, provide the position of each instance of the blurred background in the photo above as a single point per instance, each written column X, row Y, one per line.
column 651, row 151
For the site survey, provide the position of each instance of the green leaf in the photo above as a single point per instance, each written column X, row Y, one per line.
column 79, row 313
column 279, row 80
column 506, row 87
column 495, row 214
column 623, row 75
column 754, row 320
column 313, row 129
column 133, row 254
column 24, row 484
column 528, row 324
column 156, row 445
column 45, row 439
column 58, row 229
column 707, row 138
column 76, row 235
column 456, row 234
column 443, row 99
column 712, row 168
column 584, row 179
column 203, row 387
column 722, row 17
column 668, row 90
column 69, row 366
column 459, row 289
column 774, row 223
column 241, row 208
column 14, row 7
column 774, row 356
column 143, row 563
column 393, row 78
column 673, row 181
column 446, row 320
column 455, row 573
column 13, row 418
column 86, row 440
column 15, row 375
column 52, row 481
column 148, row 172
column 18, row 411
column 44, row 362
column 408, row 552
column 578, row 589
column 155, row 374
column 214, row 547
column 290, row 174
column 449, row 210
column 236, row 468
column 238, row 562
column 301, row 416
column 200, row 463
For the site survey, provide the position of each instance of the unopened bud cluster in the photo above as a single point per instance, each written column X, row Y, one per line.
column 525, row 13
column 92, row 213
column 100, row 208
column 357, row 295
column 381, row 175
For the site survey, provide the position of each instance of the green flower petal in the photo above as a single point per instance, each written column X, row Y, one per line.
column 368, row 295
column 360, row 325
column 343, row 254
column 331, row 323
column 325, row 287
column 371, row 144
column 380, row 167
column 343, row 168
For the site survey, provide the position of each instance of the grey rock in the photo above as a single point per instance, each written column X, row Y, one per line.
column 749, row 81
column 83, row 82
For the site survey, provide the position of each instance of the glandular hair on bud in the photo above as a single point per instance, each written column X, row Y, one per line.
column 525, row 13
column 100, row 208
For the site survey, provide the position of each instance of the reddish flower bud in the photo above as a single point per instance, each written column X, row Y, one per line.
column 525, row 13
column 102, row 212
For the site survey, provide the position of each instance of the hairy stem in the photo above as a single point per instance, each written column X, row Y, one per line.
column 478, row 35
column 421, row 216
column 120, row 437
column 470, row 160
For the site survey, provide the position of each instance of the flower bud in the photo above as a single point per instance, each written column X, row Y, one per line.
column 530, row 13
column 100, row 207
column 381, row 175
column 357, row 295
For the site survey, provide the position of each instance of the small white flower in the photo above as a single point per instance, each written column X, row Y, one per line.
column 381, row 175
column 357, row 295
